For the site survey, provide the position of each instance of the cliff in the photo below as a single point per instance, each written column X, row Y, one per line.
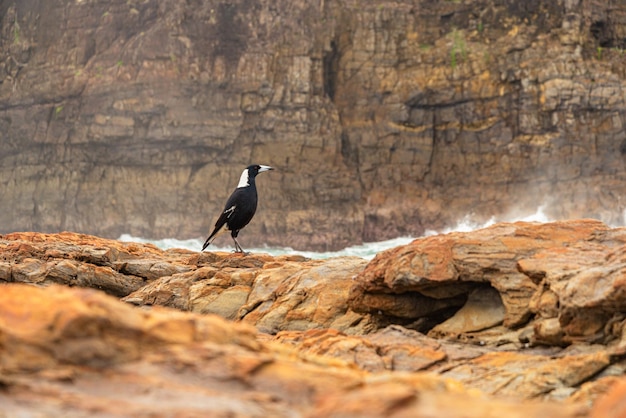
column 382, row 118
column 518, row 319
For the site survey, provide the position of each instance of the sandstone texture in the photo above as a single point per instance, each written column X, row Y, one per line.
column 382, row 118
column 556, row 284
column 273, row 293
column 518, row 319
column 77, row 352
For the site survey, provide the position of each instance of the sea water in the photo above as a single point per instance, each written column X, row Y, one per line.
column 366, row 250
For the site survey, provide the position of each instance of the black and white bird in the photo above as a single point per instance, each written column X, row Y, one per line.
column 240, row 206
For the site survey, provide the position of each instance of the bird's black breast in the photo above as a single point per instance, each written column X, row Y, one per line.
column 245, row 201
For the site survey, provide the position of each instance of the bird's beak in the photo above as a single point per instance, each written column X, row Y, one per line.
column 265, row 168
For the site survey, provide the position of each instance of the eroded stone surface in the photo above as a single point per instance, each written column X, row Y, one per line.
column 273, row 293
column 564, row 279
column 77, row 352
column 59, row 341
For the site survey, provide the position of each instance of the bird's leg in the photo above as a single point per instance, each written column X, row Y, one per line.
column 238, row 248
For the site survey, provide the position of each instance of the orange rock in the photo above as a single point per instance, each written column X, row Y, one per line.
column 321, row 343
column 273, row 293
column 77, row 352
column 565, row 275
column 613, row 403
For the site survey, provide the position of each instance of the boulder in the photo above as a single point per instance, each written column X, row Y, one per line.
column 553, row 284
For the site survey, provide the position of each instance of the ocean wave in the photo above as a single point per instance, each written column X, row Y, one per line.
column 366, row 250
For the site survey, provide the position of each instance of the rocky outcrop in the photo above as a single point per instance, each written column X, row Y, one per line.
column 273, row 293
column 555, row 284
column 77, row 352
column 83, row 260
column 382, row 118
column 491, row 320
column 578, row 375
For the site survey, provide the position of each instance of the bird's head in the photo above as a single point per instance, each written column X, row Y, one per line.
column 251, row 172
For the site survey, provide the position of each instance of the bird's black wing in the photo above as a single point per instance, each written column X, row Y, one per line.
column 229, row 209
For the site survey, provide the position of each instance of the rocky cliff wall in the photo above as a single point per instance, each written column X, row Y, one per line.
column 382, row 118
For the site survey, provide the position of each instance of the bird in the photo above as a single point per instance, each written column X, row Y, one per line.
column 240, row 206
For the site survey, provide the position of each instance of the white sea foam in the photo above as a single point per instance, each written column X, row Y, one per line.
column 367, row 250
column 468, row 223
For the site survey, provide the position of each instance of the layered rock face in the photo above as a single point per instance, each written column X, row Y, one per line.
column 77, row 353
column 382, row 118
column 518, row 319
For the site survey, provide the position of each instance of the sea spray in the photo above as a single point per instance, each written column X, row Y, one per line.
column 366, row 250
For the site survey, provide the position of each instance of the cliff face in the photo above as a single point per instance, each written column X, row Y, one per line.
column 382, row 118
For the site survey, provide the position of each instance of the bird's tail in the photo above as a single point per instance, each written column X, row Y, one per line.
column 206, row 243
column 214, row 234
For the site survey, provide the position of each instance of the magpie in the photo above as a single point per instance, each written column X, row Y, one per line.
column 240, row 206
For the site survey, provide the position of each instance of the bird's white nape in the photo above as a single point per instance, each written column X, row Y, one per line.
column 243, row 180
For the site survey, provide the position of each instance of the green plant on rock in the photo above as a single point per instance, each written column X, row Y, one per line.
column 459, row 48
column 16, row 33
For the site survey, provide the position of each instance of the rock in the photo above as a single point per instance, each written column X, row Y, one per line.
column 382, row 398
column 422, row 325
column 613, row 404
column 273, row 293
column 277, row 294
column 83, row 260
column 529, row 374
column 482, row 310
column 393, row 348
column 561, row 279
column 77, row 352
column 402, row 116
